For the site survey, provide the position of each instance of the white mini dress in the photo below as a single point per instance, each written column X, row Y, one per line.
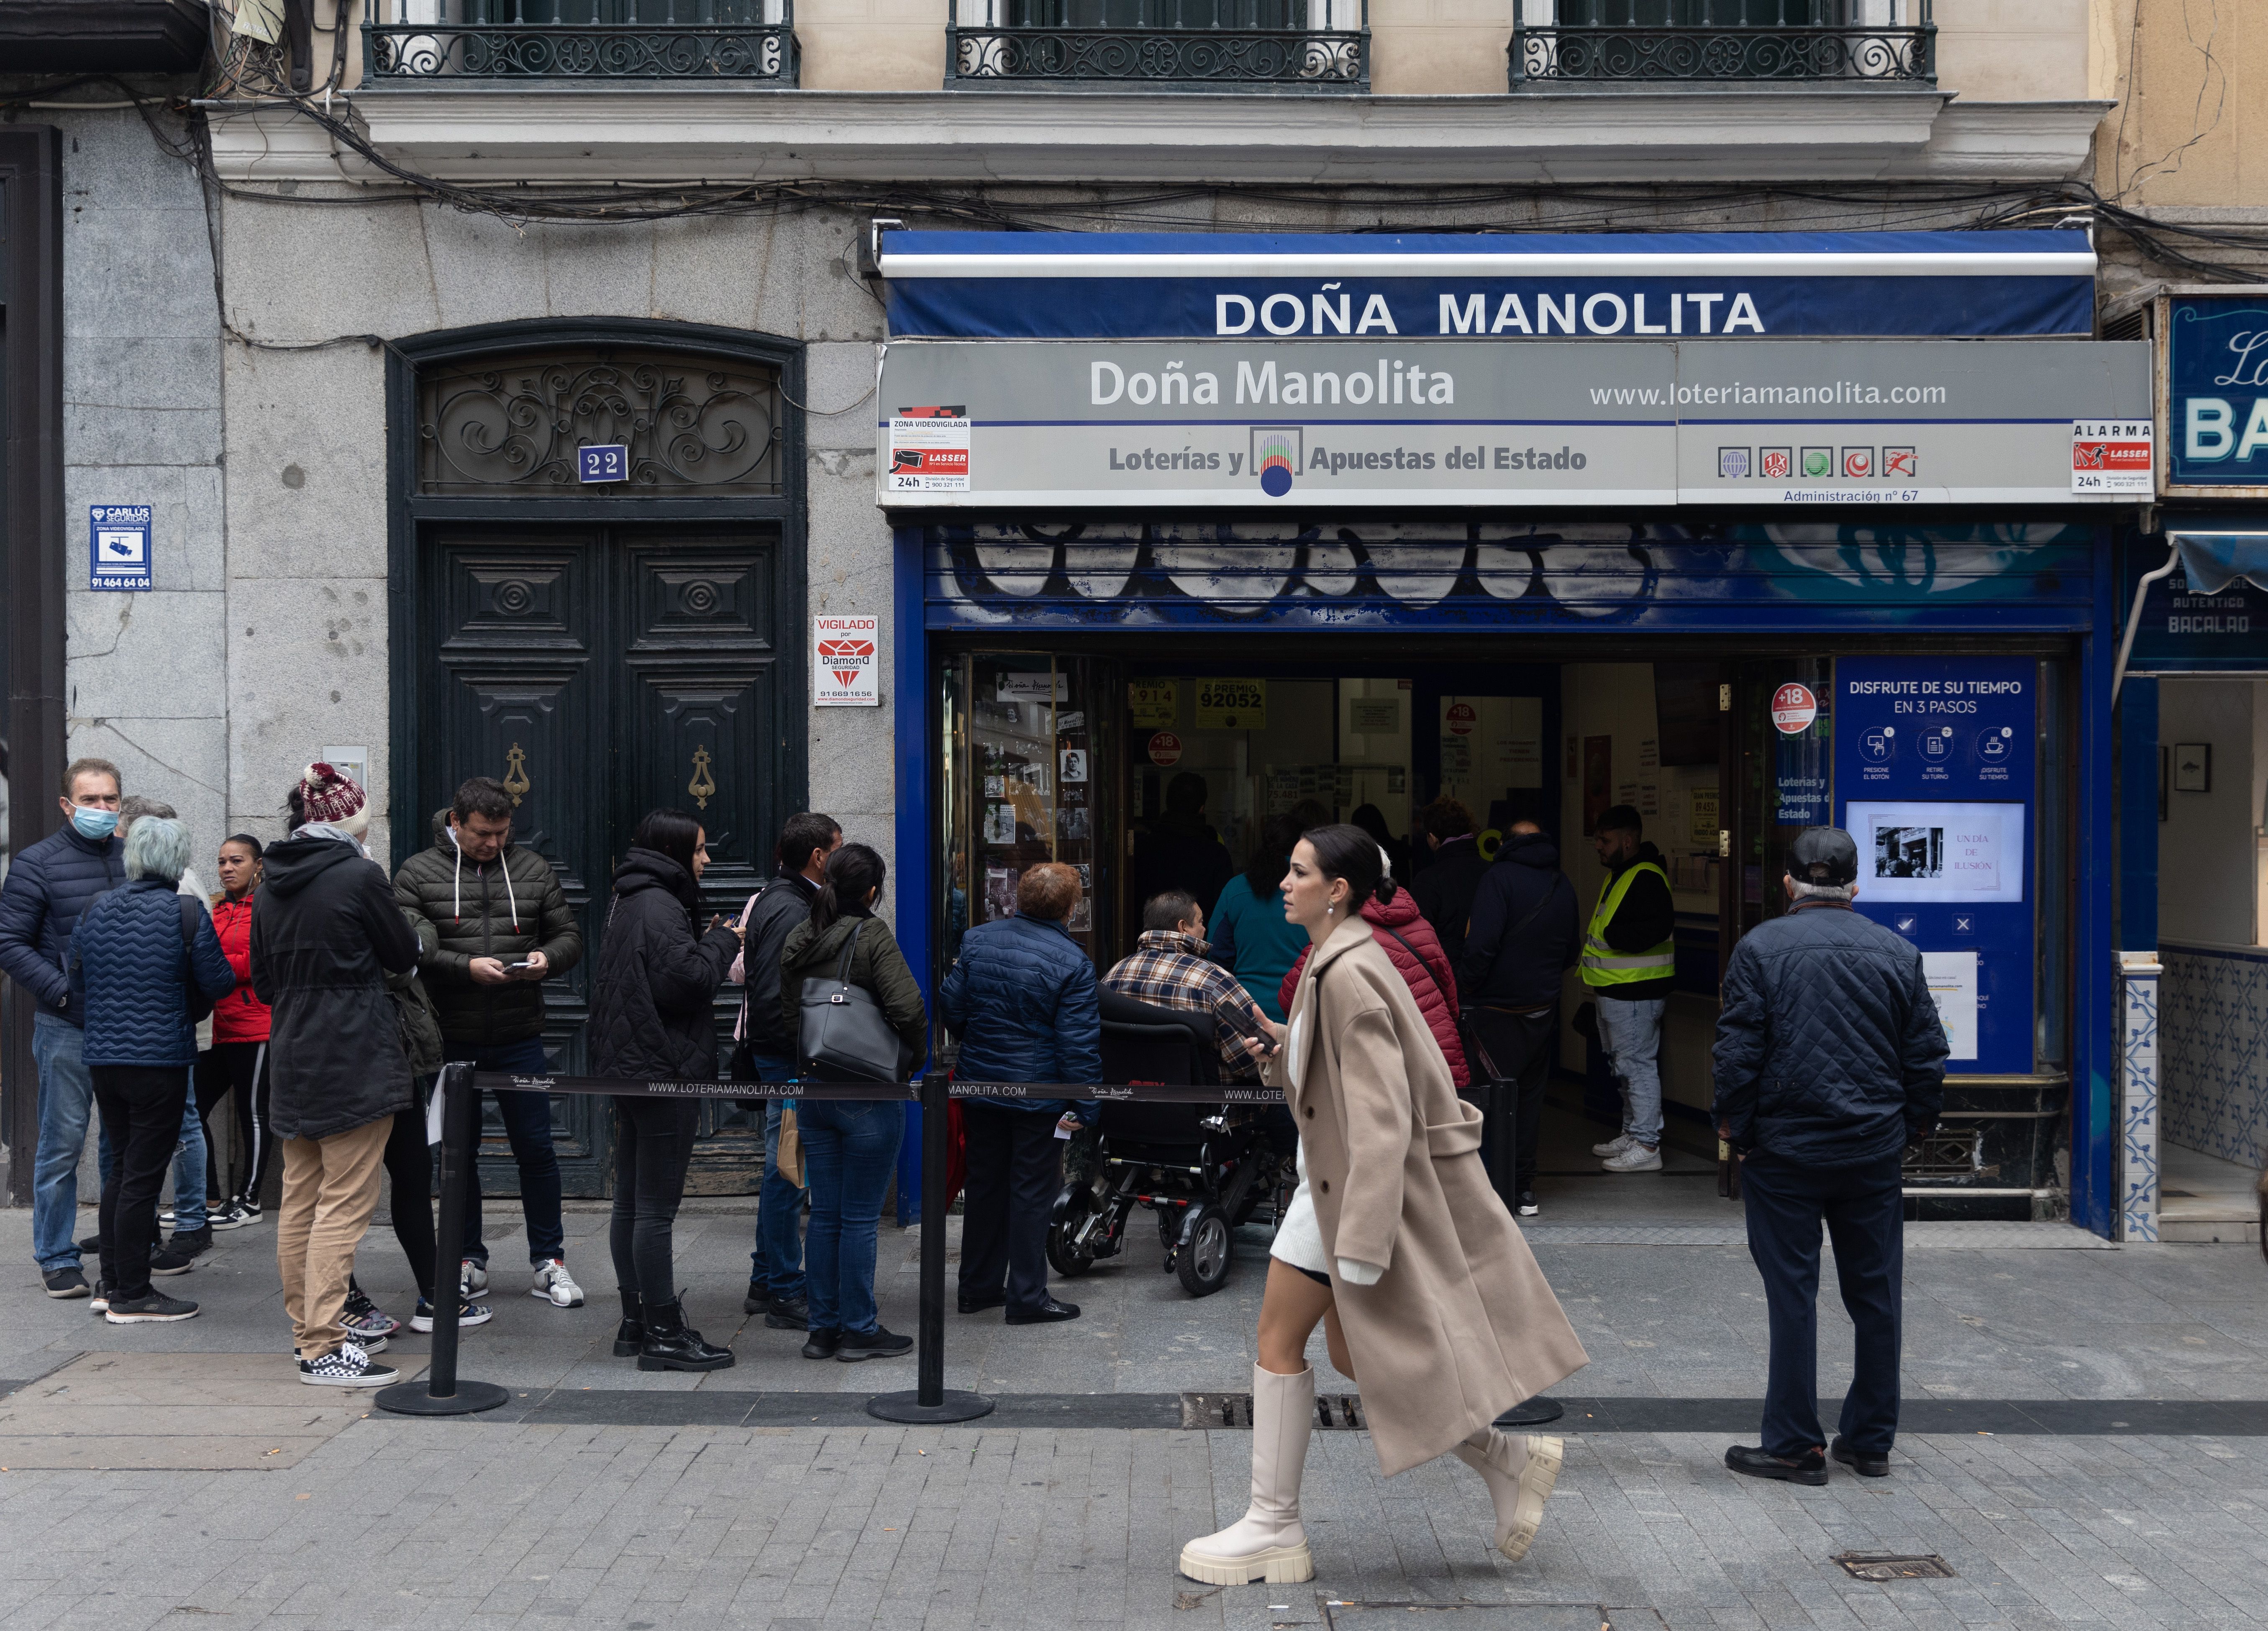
column 1300, row 1237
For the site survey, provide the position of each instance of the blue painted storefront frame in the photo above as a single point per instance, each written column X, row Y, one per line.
column 1865, row 577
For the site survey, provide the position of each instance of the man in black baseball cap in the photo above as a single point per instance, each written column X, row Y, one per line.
column 1829, row 1061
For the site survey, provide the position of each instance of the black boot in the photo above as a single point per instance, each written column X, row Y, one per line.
column 630, row 1336
column 670, row 1344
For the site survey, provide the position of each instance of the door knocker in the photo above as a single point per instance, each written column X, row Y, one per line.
column 515, row 773
column 702, row 784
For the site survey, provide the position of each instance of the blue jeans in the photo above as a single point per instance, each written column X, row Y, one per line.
column 1632, row 1033
column 527, row 1124
column 189, row 1172
column 66, row 1105
column 776, row 1264
column 850, row 1149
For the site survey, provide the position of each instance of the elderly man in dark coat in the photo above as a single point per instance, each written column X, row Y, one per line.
column 1829, row 1061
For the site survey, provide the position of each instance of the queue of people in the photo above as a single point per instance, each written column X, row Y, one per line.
column 320, row 999
column 304, row 993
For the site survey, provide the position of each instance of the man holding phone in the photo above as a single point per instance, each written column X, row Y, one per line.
column 492, row 924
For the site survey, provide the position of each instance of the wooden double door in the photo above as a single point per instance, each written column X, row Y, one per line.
column 599, row 673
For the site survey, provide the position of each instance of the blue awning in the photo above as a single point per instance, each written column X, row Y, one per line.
column 2213, row 560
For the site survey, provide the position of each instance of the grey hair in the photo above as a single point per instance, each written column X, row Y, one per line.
column 157, row 848
column 1797, row 889
column 132, row 807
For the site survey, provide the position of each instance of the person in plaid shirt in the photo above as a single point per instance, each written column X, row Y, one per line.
column 1169, row 968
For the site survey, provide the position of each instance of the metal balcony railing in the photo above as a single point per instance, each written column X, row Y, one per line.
column 437, row 40
column 1640, row 41
column 1300, row 46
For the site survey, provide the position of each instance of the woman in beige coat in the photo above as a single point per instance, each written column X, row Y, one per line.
column 1395, row 1241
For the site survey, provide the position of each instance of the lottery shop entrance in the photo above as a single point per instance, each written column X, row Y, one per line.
column 1156, row 761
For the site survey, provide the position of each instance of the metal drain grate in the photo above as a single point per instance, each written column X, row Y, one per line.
column 1334, row 1412
column 1891, row 1566
column 1340, row 1615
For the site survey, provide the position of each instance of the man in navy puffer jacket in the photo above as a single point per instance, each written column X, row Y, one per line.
column 138, row 957
column 1022, row 998
column 1829, row 1061
column 48, row 885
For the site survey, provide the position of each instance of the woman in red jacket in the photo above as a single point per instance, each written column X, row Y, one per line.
column 1416, row 949
column 237, row 1060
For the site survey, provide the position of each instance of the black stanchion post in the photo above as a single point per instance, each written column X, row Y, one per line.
column 441, row 1393
column 930, row 1402
column 1502, row 1130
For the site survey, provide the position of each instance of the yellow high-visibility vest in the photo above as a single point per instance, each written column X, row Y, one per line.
column 1604, row 967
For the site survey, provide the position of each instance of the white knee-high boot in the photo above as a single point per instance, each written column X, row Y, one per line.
column 1267, row 1543
column 1520, row 1473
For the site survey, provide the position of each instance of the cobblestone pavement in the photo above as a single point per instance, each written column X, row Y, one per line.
column 343, row 1516
column 641, row 1529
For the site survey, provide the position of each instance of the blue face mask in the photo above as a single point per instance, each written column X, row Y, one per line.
column 93, row 823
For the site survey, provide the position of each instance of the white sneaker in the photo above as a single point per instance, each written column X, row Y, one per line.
column 1637, row 1158
column 472, row 1279
column 1614, row 1146
column 555, row 1285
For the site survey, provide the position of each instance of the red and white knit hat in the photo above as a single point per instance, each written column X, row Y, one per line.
column 331, row 795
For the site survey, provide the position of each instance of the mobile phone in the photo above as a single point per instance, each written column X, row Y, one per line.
column 521, row 967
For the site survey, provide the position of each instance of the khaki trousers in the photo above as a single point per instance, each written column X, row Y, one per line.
column 330, row 1189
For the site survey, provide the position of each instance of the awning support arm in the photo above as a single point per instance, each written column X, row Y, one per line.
column 2134, row 616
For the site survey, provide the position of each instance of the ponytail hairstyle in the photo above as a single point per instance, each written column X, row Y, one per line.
column 1346, row 851
column 853, row 872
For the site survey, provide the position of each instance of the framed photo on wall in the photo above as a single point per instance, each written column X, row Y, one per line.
column 2192, row 767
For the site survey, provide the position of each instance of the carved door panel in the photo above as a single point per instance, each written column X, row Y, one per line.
column 512, row 688
column 699, row 728
column 600, row 673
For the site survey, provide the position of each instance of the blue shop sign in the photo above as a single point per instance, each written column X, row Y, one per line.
column 2211, row 615
column 1935, row 775
column 1507, row 287
column 2217, row 391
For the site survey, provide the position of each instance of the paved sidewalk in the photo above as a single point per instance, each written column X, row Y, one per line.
column 2143, row 1322
column 420, row 1524
column 2068, row 1513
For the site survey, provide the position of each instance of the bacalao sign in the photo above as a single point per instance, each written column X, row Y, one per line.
column 1115, row 369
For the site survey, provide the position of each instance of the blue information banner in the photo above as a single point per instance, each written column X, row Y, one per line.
column 1935, row 772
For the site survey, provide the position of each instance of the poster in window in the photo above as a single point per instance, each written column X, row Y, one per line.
column 1939, row 854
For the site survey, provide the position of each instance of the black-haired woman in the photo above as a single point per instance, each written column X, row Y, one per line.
column 849, row 1146
column 652, row 1016
column 1394, row 1242
column 237, row 1062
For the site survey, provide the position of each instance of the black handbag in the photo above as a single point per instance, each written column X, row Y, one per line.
column 840, row 1032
